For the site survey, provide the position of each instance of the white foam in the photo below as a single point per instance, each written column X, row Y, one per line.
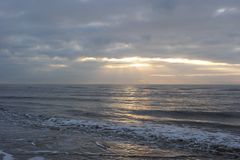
column 149, row 130
column 6, row 156
column 37, row 158
column 192, row 135
column 45, row 151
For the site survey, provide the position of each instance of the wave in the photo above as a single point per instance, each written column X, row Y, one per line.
column 170, row 135
column 188, row 113
column 156, row 134
column 147, row 133
column 224, row 120
column 231, row 90
column 48, row 98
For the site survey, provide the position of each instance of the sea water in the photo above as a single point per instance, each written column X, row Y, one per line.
column 202, row 118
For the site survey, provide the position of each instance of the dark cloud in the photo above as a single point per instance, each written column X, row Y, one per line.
column 67, row 29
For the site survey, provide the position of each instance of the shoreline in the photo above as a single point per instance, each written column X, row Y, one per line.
column 24, row 141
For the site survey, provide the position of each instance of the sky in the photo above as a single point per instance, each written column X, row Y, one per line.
column 120, row 41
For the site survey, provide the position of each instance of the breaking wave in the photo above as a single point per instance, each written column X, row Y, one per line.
column 147, row 133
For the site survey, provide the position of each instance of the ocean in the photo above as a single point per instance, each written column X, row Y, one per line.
column 124, row 121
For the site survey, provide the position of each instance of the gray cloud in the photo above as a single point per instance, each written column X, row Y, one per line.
column 36, row 35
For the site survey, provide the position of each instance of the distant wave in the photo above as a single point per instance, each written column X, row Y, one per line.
column 180, row 113
column 54, row 98
column 232, row 89
column 197, row 118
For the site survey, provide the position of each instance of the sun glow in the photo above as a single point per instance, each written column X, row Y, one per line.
column 58, row 65
column 136, row 60
column 133, row 65
column 165, row 68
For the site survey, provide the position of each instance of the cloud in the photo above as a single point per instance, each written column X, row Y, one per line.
column 58, row 65
column 11, row 14
column 114, row 35
column 236, row 49
column 154, row 60
column 122, row 66
column 118, row 46
column 221, row 69
column 163, row 75
column 226, row 11
column 197, row 75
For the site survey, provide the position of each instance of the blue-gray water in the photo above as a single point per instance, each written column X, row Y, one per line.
column 200, row 117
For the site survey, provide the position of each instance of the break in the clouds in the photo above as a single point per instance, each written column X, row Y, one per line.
column 119, row 41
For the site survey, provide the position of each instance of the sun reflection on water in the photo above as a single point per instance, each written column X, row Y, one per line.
column 130, row 101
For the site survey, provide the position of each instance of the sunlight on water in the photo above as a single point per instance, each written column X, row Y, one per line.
column 204, row 118
column 132, row 103
column 141, row 150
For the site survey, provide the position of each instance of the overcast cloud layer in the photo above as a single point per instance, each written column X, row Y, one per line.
column 66, row 41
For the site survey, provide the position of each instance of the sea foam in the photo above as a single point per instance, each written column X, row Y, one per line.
column 152, row 132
